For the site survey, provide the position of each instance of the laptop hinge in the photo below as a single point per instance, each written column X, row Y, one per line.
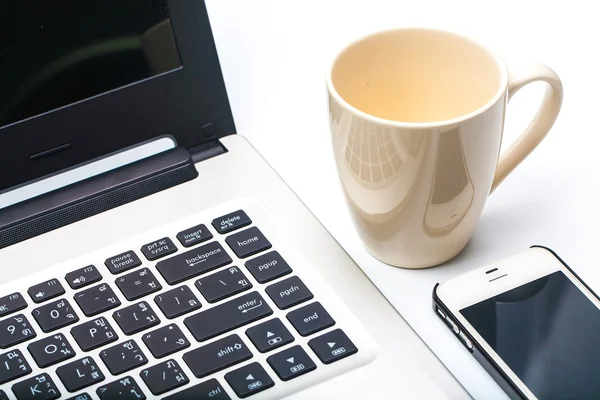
column 207, row 150
column 100, row 193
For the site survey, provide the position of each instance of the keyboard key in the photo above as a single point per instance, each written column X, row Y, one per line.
column 216, row 356
column 231, row 222
column 310, row 319
column 11, row 303
column 123, row 389
column 136, row 318
column 249, row 380
column 123, row 262
column 332, row 346
column 138, row 284
column 81, row 396
column 193, row 263
column 46, row 290
column 247, row 243
column 12, row 366
column 177, row 302
column 291, row 363
column 3, row 395
column 83, row 277
column 289, row 292
column 123, row 357
column 209, row 390
column 165, row 341
column 268, row 266
column 223, row 284
column 15, row 330
column 55, row 315
column 93, row 334
column 227, row 316
column 158, row 249
column 195, row 235
column 40, row 387
column 80, row 374
column 97, row 299
column 164, row 377
column 269, row 335
column 51, row 350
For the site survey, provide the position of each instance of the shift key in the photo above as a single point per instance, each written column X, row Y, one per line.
column 227, row 316
column 193, row 263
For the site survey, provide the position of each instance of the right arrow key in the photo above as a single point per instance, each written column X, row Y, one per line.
column 332, row 346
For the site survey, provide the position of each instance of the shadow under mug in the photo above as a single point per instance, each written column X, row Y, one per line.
column 416, row 118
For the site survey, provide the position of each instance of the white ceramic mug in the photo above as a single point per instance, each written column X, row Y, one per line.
column 416, row 119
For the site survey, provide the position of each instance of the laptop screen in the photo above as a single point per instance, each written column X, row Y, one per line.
column 56, row 53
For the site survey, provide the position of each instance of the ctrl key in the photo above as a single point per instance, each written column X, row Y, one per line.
column 249, row 380
column 40, row 387
column 210, row 389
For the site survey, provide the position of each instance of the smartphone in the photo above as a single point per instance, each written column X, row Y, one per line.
column 531, row 322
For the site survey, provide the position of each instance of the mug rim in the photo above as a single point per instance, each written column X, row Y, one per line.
column 419, row 125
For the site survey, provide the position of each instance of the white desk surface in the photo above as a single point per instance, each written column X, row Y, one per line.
column 274, row 56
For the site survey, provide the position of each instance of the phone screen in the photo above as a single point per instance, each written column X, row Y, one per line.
column 548, row 332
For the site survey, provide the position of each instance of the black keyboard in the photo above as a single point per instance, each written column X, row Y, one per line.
column 212, row 311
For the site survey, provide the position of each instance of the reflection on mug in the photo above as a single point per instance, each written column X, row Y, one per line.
column 452, row 190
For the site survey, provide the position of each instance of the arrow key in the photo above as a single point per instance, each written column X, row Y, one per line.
column 269, row 335
column 291, row 363
column 40, row 387
column 332, row 346
column 249, row 380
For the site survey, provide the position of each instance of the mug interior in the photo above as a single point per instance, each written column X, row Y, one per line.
column 417, row 76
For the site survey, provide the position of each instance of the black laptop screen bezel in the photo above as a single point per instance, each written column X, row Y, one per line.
column 189, row 103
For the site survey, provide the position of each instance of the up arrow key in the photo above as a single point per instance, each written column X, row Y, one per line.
column 249, row 377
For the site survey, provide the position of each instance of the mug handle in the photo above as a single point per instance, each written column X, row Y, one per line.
column 541, row 123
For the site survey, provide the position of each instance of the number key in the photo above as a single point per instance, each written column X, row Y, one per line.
column 51, row 350
column 55, row 315
column 177, row 302
column 12, row 366
column 15, row 330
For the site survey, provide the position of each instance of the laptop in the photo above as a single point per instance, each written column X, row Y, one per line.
column 147, row 250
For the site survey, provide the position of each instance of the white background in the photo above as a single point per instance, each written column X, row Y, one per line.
column 275, row 55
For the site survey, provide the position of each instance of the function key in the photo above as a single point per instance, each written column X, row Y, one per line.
column 195, row 235
column 123, row 262
column 46, row 290
column 268, row 266
column 12, row 366
column 136, row 318
column 51, row 350
column 123, row 357
column 193, row 263
column 40, row 387
column 138, row 284
column 11, row 303
column 93, row 334
column 269, row 335
column 165, row 341
column 15, row 330
column 291, row 363
column 223, row 284
column 289, row 292
column 80, row 374
column 210, row 389
column 164, row 377
column 231, row 222
column 248, row 242
column 123, row 389
column 310, row 319
column 83, row 276
column 158, row 249
column 217, row 355
column 249, row 380
column 97, row 299
column 332, row 346
column 227, row 316
column 177, row 302
column 55, row 315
